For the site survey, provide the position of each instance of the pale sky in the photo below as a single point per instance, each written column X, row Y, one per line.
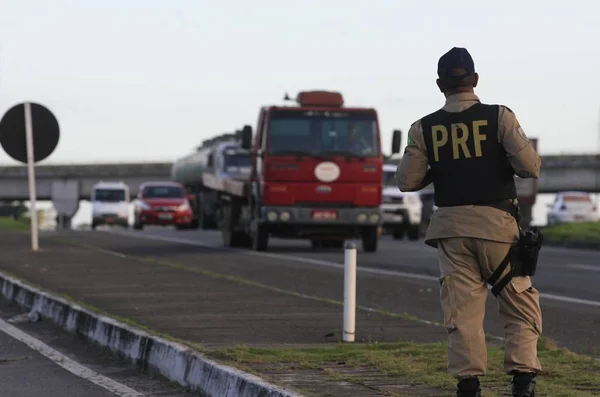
column 149, row 80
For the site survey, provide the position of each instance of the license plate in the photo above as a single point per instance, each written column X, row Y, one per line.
column 165, row 216
column 324, row 215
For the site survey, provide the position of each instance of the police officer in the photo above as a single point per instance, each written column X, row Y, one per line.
column 470, row 151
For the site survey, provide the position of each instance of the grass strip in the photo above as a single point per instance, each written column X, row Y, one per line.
column 564, row 374
column 14, row 225
column 585, row 231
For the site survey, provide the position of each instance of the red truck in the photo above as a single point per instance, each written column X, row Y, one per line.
column 316, row 174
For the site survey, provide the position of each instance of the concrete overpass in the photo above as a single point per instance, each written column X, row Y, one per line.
column 14, row 184
column 559, row 172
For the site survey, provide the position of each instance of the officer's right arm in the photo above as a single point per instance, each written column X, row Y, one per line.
column 412, row 174
column 521, row 154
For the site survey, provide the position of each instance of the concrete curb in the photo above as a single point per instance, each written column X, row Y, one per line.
column 174, row 361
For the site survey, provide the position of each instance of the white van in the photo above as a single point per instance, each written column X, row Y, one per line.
column 401, row 210
column 110, row 204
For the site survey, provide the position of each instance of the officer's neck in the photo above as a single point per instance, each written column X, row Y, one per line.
column 461, row 90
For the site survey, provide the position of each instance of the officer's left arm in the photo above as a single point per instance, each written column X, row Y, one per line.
column 521, row 154
column 411, row 174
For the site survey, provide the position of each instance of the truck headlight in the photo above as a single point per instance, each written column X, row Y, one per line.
column 272, row 216
column 285, row 216
column 361, row 218
column 374, row 218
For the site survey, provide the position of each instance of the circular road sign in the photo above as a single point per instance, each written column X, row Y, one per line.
column 45, row 132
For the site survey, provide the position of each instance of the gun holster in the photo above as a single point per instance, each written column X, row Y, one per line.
column 522, row 256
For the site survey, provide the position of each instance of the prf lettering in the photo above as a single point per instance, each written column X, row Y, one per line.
column 460, row 134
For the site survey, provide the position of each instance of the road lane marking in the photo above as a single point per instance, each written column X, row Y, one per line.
column 585, row 267
column 67, row 363
column 324, row 263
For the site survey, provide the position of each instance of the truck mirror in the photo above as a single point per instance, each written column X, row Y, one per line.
column 246, row 137
column 396, row 141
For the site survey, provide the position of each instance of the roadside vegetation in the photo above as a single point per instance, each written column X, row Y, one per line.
column 564, row 374
column 584, row 231
column 8, row 224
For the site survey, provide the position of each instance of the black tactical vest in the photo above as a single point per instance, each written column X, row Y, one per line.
column 472, row 168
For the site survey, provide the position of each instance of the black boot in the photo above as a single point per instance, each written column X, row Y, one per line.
column 523, row 385
column 468, row 388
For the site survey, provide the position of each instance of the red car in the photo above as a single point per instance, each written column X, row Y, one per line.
column 162, row 203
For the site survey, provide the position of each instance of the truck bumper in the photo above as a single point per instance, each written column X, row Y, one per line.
column 309, row 221
column 392, row 215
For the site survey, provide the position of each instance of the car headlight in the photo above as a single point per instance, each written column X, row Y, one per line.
column 144, row 206
column 387, row 199
column 183, row 207
column 361, row 218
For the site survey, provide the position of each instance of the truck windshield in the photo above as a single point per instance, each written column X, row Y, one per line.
column 389, row 178
column 323, row 133
column 163, row 192
column 109, row 195
column 235, row 161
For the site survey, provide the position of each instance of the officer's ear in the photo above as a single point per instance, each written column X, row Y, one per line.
column 475, row 80
column 440, row 85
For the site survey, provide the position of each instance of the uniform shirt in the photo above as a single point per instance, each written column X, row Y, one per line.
column 469, row 220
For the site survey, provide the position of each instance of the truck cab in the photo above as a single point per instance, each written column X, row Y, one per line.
column 110, row 204
column 316, row 172
column 401, row 210
column 218, row 158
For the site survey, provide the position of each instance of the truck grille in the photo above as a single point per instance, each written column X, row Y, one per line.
column 395, row 200
column 321, row 204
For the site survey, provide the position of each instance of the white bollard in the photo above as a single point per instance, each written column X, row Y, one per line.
column 349, row 292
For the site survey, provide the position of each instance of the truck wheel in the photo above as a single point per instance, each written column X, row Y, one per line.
column 369, row 239
column 205, row 221
column 233, row 239
column 413, row 232
column 398, row 232
column 260, row 239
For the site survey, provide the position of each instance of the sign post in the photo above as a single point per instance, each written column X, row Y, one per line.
column 29, row 133
column 31, row 177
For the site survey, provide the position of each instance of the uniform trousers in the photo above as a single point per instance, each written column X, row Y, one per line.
column 465, row 264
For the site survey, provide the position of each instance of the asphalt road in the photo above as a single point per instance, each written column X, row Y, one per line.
column 25, row 372
column 401, row 277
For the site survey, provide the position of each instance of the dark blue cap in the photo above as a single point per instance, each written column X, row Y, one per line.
column 456, row 58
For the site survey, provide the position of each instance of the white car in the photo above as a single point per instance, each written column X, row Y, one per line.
column 401, row 210
column 572, row 206
column 110, row 204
